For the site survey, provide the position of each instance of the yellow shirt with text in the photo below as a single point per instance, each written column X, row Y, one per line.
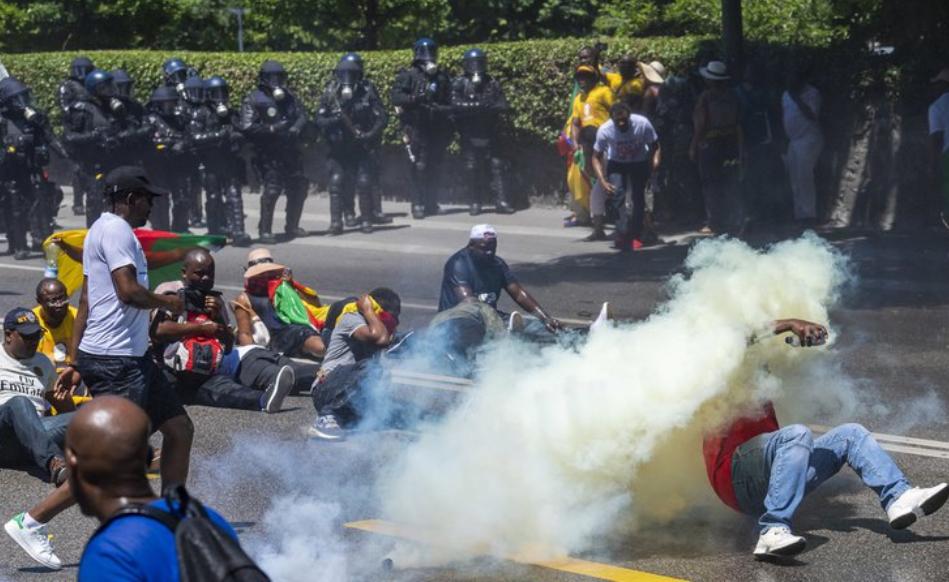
column 55, row 342
column 593, row 108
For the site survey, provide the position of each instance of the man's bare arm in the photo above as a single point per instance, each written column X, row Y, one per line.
column 130, row 292
column 520, row 296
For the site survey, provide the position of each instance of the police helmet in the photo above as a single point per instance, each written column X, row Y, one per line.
column 474, row 61
column 100, row 83
column 216, row 89
column 123, row 83
column 425, row 49
column 14, row 94
column 194, row 89
column 354, row 57
column 272, row 74
column 80, row 67
column 163, row 99
column 349, row 71
column 175, row 71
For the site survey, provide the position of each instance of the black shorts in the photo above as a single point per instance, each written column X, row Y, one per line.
column 137, row 379
column 289, row 339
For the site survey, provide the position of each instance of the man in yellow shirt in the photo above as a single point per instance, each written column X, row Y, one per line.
column 56, row 317
column 627, row 85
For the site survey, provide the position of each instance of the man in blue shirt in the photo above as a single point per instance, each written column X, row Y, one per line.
column 107, row 454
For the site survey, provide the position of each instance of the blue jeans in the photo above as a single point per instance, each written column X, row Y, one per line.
column 773, row 472
column 26, row 437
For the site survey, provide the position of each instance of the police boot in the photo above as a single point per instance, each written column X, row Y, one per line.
column 336, row 215
column 378, row 216
column 268, row 200
column 296, row 197
column 365, row 212
column 349, row 218
column 234, row 206
column 502, row 205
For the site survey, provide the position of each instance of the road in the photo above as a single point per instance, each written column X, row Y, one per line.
column 276, row 486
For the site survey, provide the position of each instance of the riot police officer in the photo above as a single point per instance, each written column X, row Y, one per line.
column 422, row 96
column 351, row 117
column 477, row 102
column 91, row 131
column 273, row 120
column 174, row 74
column 27, row 140
column 167, row 149
column 218, row 146
column 72, row 91
column 133, row 133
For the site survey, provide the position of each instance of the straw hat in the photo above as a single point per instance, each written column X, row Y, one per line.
column 654, row 72
column 260, row 261
column 715, row 71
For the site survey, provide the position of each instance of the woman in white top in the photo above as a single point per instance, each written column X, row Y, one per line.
column 800, row 105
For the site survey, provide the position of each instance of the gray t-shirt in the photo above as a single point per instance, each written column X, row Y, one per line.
column 341, row 351
column 632, row 145
column 113, row 328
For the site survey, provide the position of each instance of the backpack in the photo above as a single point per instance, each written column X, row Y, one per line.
column 198, row 355
column 205, row 552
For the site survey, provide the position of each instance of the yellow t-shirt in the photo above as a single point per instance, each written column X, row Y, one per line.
column 623, row 90
column 593, row 108
column 55, row 342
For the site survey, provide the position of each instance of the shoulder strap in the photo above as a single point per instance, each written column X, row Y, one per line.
column 168, row 520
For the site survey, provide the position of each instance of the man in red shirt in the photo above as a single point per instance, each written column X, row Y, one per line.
column 758, row 468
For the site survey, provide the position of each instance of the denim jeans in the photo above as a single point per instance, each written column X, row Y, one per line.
column 25, row 437
column 629, row 179
column 773, row 472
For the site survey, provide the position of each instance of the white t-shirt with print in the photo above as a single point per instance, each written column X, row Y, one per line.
column 31, row 377
column 633, row 145
column 939, row 119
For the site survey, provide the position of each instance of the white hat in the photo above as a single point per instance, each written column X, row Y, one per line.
column 654, row 72
column 482, row 231
column 715, row 71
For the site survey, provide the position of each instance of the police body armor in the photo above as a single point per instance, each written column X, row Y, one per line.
column 168, row 148
column 217, row 146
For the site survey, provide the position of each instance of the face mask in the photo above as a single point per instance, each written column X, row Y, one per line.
column 279, row 94
column 180, row 87
column 221, row 109
column 430, row 67
column 29, row 113
column 346, row 93
column 116, row 106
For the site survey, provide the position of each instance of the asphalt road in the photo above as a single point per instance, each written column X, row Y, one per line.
column 893, row 338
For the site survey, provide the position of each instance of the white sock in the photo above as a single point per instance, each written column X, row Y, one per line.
column 30, row 523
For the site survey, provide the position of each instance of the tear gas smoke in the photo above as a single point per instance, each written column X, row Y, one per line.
column 554, row 446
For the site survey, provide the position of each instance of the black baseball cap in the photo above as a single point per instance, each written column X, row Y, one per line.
column 129, row 179
column 21, row 320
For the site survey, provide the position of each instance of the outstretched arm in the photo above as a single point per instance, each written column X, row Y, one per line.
column 527, row 301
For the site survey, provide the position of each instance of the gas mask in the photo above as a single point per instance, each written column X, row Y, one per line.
column 180, row 87
column 30, row 114
column 221, row 109
column 279, row 94
column 430, row 67
column 476, row 78
column 346, row 93
column 116, row 106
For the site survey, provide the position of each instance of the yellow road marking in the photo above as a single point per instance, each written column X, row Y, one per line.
column 565, row 564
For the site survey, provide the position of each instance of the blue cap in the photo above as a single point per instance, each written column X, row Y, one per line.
column 21, row 320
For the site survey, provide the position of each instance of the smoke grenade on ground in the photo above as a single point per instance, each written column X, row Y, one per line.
column 554, row 447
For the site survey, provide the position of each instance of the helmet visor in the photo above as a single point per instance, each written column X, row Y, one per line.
column 348, row 76
column 274, row 79
column 217, row 94
column 123, row 89
column 426, row 52
column 475, row 65
column 105, row 89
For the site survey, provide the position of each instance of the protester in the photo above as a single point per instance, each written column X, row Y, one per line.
column 939, row 142
column 346, row 370
column 56, row 316
column 198, row 350
column 653, row 75
column 108, row 454
column 628, row 84
column 630, row 146
column 716, row 148
column 801, row 108
column 590, row 109
column 476, row 273
column 758, row 468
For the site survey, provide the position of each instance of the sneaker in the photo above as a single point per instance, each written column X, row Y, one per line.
column 327, row 428
column 34, row 542
column 515, row 322
column 273, row 397
column 778, row 542
column 58, row 471
column 604, row 318
column 916, row 503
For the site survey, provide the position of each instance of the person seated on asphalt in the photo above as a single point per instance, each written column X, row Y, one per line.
column 107, row 454
column 56, row 316
column 255, row 305
column 339, row 391
column 476, row 273
column 28, row 434
column 197, row 347
column 758, row 468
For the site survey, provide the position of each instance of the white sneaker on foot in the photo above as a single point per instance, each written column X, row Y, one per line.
column 916, row 503
column 273, row 397
column 778, row 542
column 327, row 428
column 34, row 542
column 604, row 318
column 515, row 323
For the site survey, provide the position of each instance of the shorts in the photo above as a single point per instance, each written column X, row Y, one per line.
column 289, row 339
column 135, row 378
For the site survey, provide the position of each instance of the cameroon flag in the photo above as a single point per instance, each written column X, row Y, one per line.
column 164, row 252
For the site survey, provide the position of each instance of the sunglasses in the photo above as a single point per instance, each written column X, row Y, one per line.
column 261, row 261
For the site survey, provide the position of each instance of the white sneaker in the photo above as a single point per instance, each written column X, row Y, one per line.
column 916, row 503
column 778, row 542
column 273, row 397
column 604, row 318
column 515, row 323
column 34, row 542
column 327, row 428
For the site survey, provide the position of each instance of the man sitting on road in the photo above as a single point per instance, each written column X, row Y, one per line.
column 56, row 316
column 758, row 468
column 108, row 453
column 198, row 349
column 346, row 368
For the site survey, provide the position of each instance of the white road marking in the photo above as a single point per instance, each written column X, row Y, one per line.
column 903, row 444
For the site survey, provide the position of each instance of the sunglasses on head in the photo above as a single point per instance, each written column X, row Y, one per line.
column 260, row 261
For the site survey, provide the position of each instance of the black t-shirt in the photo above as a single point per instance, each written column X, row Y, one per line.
column 485, row 276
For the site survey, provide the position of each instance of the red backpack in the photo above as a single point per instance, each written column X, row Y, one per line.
column 198, row 355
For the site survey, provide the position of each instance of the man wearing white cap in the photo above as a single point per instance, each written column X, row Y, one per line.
column 939, row 142
column 476, row 273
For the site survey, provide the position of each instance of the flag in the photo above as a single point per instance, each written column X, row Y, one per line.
column 164, row 252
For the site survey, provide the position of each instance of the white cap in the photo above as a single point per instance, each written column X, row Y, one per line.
column 482, row 231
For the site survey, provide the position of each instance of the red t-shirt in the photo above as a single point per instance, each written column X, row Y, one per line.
column 718, row 450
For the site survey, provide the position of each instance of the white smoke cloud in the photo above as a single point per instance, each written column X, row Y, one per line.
column 555, row 446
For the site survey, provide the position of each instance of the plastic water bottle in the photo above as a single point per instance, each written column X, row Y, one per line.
column 52, row 261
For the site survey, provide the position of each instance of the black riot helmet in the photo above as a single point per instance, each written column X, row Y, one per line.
column 164, row 100
column 14, row 95
column 349, row 70
column 355, row 57
column 123, row 83
column 100, row 83
column 216, row 89
column 474, row 61
column 80, row 67
column 175, row 71
column 425, row 50
column 194, row 90
column 272, row 75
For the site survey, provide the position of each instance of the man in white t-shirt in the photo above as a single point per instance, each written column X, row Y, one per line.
column 939, row 142
column 629, row 145
column 800, row 106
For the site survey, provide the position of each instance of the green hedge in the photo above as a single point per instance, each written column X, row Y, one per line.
column 536, row 74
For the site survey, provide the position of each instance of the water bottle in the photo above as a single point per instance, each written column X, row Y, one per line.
column 52, row 261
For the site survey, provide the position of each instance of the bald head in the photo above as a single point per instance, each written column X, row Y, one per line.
column 198, row 256
column 198, row 269
column 49, row 286
column 108, row 437
column 54, row 301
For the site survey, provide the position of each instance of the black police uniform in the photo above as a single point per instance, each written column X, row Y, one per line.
column 275, row 128
column 72, row 91
column 353, row 131
column 423, row 103
column 166, row 159
column 133, row 133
